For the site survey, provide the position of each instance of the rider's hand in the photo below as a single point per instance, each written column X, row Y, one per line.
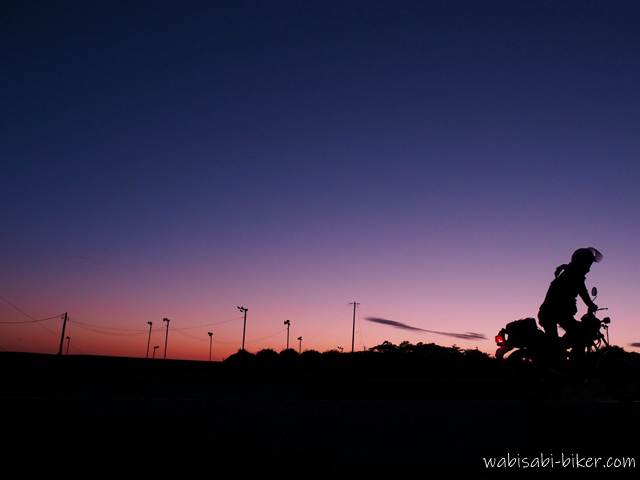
column 593, row 307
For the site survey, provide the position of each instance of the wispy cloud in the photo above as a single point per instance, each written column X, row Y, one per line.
column 404, row 326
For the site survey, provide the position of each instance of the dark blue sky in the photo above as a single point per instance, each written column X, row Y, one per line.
column 181, row 133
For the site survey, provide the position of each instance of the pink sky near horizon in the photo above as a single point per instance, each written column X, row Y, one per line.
column 438, row 288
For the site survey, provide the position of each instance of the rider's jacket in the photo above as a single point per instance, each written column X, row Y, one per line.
column 563, row 291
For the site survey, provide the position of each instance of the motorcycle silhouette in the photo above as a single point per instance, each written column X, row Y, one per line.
column 522, row 340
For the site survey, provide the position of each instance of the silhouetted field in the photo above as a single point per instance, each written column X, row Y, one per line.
column 423, row 406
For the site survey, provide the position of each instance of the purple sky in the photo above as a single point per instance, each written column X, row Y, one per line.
column 434, row 161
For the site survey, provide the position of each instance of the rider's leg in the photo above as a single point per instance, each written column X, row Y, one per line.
column 574, row 338
column 553, row 349
column 549, row 326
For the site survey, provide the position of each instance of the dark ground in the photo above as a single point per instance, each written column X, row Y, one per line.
column 440, row 409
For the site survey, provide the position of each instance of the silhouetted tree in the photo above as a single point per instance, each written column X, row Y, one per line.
column 267, row 355
column 240, row 357
column 289, row 355
column 385, row 347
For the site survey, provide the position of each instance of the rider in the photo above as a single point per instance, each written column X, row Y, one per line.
column 560, row 306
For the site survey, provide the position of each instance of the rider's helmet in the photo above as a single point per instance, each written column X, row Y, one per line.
column 586, row 256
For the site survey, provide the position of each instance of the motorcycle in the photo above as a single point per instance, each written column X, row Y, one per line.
column 522, row 340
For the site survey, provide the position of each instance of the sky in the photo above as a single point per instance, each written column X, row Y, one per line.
column 433, row 161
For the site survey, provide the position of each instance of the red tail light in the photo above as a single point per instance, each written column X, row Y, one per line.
column 499, row 340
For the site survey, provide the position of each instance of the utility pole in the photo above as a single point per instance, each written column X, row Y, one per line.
column 64, row 326
column 68, row 342
column 166, row 337
column 244, row 328
column 210, row 343
column 299, row 344
column 149, row 340
column 353, row 332
column 155, row 347
column 288, row 324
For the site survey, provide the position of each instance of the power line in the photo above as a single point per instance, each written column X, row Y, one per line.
column 15, row 307
column 137, row 331
column 254, row 340
column 35, row 320
column 49, row 331
column 207, row 324
column 106, row 332
column 249, row 340
column 222, row 342
column 101, row 327
column 32, row 318
column 122, row 331
column 192, row 337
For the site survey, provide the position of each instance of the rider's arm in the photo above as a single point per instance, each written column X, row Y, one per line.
column 584, row 294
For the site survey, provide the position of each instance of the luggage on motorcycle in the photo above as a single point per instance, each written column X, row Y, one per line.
column 521, row 333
